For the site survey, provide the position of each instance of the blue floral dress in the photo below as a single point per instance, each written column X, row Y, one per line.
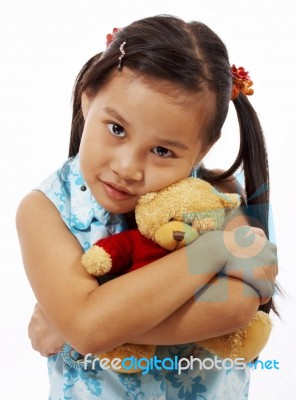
column 88, row 221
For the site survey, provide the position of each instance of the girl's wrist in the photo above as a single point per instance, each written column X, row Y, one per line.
column 207, row 254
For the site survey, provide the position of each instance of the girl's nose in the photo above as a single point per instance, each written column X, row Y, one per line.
column 128, row 168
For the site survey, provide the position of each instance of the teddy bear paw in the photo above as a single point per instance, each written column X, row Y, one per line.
column 96, row 261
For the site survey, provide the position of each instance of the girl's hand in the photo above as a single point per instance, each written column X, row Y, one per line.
column 251, row 258
column 44, row 337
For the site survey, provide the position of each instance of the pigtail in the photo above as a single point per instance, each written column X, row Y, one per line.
column 253, row 155
column 77, row 124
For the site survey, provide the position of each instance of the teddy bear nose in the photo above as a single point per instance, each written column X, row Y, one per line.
column 178, row 236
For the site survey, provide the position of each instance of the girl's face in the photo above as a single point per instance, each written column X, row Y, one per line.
column 137, row 138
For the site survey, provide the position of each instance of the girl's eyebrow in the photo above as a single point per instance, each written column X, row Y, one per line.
column 113, row 113
column 173, row 143
column 164, row 142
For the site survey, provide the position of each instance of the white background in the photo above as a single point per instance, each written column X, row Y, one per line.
column 43, row 45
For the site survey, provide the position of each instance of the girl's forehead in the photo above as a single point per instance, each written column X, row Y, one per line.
column 172, row 91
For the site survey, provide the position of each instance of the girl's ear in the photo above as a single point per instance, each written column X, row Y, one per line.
column 84, row 104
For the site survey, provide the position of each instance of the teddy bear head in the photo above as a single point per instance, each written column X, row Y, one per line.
column 173, row 217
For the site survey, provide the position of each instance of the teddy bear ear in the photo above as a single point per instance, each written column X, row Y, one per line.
column 230, row 200
column 146, row 198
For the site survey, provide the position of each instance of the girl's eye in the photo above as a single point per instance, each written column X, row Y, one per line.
column 116, row 130
column 162, row 151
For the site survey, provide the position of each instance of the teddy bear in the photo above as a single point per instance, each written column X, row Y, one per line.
column 166, row 221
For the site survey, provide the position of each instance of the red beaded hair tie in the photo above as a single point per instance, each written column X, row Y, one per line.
column 241, row 82
column 110, row 36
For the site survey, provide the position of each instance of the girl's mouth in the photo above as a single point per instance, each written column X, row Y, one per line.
column 116, row 193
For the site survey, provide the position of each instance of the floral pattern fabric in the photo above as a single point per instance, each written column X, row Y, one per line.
column 88, row 221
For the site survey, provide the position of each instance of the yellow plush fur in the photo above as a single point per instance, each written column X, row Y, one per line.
column 190, row 200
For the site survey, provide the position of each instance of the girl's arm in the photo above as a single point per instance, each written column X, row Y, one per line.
column 96, row 319
column 225, row 306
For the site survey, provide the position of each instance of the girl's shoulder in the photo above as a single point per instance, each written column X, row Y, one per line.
column 34, row 214
column 228, row 185
column 58, row 193
column 52, row 195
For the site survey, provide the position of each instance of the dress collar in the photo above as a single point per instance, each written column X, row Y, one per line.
column 84, row 207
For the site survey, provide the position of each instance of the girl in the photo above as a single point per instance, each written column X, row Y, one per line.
column 146, row 112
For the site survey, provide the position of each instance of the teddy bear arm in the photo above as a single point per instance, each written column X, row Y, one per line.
column 120, row 249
